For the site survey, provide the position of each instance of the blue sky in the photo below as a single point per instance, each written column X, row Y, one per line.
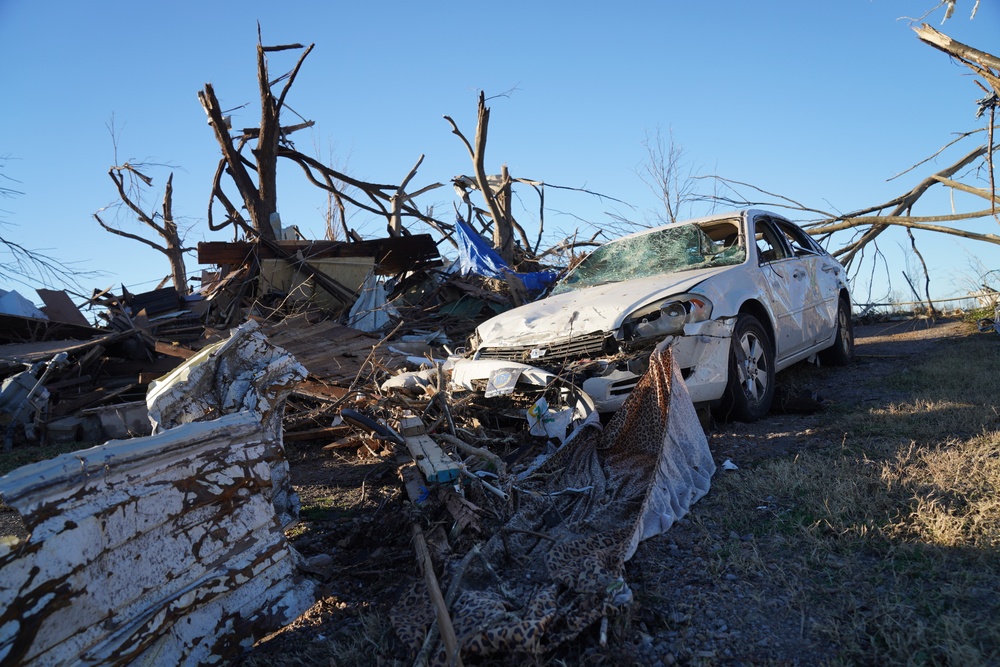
column 819, row 101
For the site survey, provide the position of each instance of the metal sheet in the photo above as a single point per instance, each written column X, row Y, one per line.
column 161, row 549
column 167, row 549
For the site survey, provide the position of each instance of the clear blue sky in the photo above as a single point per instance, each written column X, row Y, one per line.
column 819, row 101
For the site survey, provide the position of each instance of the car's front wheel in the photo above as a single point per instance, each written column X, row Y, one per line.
column 750, row 390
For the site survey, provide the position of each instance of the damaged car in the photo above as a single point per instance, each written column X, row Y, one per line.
column 744, row 295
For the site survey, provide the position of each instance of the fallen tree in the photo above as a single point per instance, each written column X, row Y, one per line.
column 870, row 222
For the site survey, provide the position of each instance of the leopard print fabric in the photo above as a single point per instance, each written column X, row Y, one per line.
column 562, row 583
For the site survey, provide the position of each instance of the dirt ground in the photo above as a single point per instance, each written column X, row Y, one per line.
column 359, row 539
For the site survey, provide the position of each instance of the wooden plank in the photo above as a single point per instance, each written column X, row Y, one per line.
column 413, row 482
column 329, row 351
column 29, row 353
column 16, row 329
column 174, row 350
column 432, row 461
column 392, row 255
column 319, row 392
column 316, row 433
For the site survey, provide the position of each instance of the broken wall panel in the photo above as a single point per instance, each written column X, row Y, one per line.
column 245, row 372
column 281, row 276
column 60, row 308
column 329, row 351
column 164, row 549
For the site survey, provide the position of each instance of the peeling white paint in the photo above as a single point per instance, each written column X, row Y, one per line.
column 244, row 372
column 167, row 549
column 130, row 555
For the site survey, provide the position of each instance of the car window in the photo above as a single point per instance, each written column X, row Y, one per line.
column 667, row 250
column 770, row 244
column 800, row 242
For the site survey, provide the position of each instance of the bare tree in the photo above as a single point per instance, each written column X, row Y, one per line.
column 497, row 197
column 669, row 175
column 976, row 163
column 259, row 198
column 497, row 217
column 128, row 179
column 25, row 266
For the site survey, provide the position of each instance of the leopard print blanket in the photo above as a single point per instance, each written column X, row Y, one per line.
column 556, row 563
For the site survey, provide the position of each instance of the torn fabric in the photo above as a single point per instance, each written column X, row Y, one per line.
column 476, row 256
column 557, row 565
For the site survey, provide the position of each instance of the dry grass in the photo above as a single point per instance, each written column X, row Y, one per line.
column 22, row 455
column 891, row 539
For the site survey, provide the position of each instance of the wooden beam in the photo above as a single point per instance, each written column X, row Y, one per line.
column 392, row 255
column 437, row 467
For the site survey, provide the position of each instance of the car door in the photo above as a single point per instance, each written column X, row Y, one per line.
column 787, row 283
column 822, row 290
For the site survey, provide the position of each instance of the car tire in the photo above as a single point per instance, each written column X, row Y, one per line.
column 842, row 351
column 750, row 390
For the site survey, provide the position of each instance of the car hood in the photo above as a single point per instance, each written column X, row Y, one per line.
column 601, row 308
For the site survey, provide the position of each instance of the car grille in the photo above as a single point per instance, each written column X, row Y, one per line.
column 587, row 345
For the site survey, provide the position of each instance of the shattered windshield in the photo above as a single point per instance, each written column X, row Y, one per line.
column 668, row 250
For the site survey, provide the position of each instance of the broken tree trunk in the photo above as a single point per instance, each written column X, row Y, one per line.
column 259, row 216
column 502, row 227
column 173, row 246
column 260, row 198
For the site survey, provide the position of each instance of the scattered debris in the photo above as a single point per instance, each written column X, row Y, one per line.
column 358, row 346
column 549, row 559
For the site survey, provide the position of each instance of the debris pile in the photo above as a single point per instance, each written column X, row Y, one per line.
column 535, row 547
column 522, row 506
column 67, row 379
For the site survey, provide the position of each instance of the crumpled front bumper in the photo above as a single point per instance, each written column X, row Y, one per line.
column 702, row 353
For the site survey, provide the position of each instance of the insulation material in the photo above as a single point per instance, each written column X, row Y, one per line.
column 157, row 550
column 13, row 303
column 371, row 312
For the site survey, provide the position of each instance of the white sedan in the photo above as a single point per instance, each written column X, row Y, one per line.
column 744, row 294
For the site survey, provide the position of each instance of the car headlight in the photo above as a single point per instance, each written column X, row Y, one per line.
column 668, row 316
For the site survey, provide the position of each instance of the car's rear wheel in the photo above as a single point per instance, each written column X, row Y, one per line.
column 750, row 390
column 843, row 347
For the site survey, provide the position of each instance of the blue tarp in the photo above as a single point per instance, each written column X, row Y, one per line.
column 476, row 256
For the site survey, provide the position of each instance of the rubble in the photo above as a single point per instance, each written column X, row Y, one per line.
column 473, row 441
column 164, row 548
